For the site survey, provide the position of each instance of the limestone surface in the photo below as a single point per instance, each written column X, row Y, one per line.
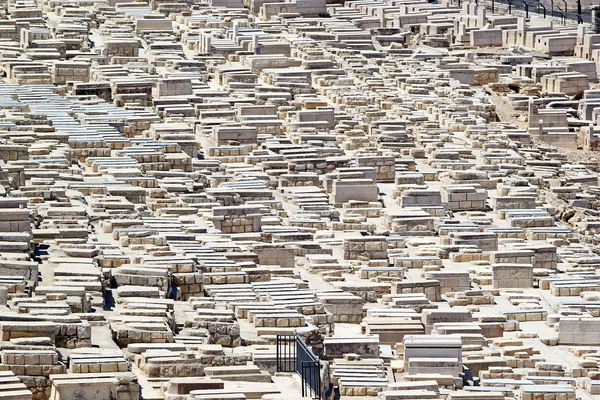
column 253, row 199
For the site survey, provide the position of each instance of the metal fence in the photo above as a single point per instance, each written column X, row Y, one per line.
column 294, row 356
column 567, row 14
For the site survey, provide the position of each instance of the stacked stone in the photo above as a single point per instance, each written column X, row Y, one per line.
column 204, row 184
column 363, row 249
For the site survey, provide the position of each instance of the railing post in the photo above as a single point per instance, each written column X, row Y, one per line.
column 492, row 6
column 562, row 15
column 303, row 381
column 543, row 8
column 526, row 9
column 289, row 345
column 595, row 19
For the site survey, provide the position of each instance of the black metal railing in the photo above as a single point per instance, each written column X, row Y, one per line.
column 294, row 356
column 311, row 379
column 544, row 8
column 286, row 353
